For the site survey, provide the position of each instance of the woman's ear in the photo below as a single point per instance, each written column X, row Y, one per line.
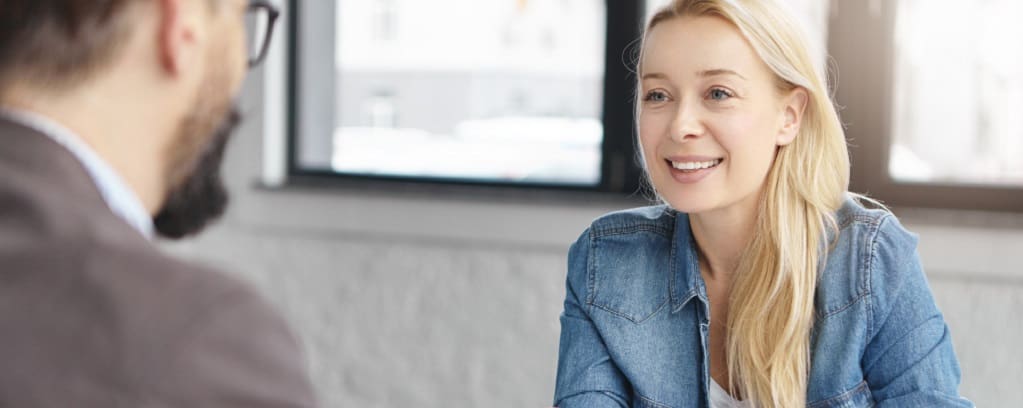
column 794, row 105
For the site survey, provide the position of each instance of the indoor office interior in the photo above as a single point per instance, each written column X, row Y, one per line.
column 411, row 174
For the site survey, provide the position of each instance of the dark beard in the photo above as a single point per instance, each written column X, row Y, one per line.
column 202, row 197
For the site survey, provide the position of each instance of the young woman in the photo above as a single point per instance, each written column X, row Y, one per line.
column 760, row 282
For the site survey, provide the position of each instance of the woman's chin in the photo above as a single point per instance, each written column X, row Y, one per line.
column 687, row 198
column 689, row 204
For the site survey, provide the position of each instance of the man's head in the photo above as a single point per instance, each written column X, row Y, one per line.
column 167, row 69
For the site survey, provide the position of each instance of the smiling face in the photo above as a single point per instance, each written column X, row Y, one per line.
column 711, row 115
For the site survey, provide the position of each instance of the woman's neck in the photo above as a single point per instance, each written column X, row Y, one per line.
column 721, row 236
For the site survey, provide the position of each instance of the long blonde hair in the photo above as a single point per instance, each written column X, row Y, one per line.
column 772, row 300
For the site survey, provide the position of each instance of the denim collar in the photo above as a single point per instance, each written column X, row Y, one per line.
column 686, row 282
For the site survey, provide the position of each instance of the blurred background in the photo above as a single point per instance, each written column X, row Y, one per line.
column 412, row 173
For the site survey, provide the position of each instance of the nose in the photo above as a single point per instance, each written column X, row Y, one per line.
column 686, row 124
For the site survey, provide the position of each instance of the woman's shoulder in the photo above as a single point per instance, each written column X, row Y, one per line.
column 871, row 246
column 626, row 233
column 624, row 262
column 860, row 209
column 656, row 218
column 864, row 220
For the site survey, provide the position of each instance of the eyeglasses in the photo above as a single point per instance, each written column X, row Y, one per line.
column 260, row 19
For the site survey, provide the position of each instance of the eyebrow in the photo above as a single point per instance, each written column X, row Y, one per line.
column 705, row 73
column 654, row 75
column 718, row 72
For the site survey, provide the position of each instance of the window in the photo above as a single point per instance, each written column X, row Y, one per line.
column 540, row 94
column 495, row 92
column 958, row 93
column 932, row 91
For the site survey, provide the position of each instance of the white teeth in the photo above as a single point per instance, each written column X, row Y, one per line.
column 695, row 165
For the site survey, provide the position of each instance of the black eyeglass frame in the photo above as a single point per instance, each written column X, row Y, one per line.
column 274, row 14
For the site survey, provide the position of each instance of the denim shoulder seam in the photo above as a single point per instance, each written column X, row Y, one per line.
column 862, row 219
column 856, row 211
column 870, row 219
column 871, row 255
column 591, row 269
column 630, row 229
column 863, row 289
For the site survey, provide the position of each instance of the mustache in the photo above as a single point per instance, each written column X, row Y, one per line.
column 202, row 197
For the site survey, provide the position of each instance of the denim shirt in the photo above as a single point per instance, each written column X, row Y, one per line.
column 635, row 325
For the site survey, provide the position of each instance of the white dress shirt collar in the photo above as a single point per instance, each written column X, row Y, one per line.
column 121, row 199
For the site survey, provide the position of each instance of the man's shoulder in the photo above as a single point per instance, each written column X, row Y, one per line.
column 94, row 302
column 212, row 333
column 162, row 289
column 103, row 261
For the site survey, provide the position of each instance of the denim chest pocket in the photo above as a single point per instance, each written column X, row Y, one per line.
column 858, row 397
column 630, row 274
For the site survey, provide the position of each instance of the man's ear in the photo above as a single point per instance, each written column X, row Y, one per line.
column 177, row 37
column 794, row 106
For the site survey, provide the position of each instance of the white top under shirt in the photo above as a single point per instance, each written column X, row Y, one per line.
column 719, row 398
column 121, row 199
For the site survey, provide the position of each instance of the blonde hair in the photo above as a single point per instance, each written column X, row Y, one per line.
column 772, row 300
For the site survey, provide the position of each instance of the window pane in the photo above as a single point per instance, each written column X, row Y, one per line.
column 485, row 90
column 958, row 93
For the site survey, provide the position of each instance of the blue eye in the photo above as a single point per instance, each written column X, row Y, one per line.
column 656, row 96
column 719, row 94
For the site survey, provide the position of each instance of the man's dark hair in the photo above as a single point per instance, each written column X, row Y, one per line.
column 59, row 42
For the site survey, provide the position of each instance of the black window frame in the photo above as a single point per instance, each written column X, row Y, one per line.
column 861, row 43
column 621, row 171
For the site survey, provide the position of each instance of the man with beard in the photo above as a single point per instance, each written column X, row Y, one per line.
column 114, row 116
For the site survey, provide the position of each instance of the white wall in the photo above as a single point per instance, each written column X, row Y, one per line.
column 412, row 300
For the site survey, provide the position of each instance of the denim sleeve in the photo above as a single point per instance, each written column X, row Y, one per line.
column 909, row 360
column 587, row 377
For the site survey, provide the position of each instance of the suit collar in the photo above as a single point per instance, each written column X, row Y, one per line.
column 53, row 158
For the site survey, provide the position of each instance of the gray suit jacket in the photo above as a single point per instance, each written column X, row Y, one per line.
column 93, row 315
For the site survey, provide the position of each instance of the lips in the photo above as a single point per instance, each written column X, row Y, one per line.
column 696, row 165
column 692, row 169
